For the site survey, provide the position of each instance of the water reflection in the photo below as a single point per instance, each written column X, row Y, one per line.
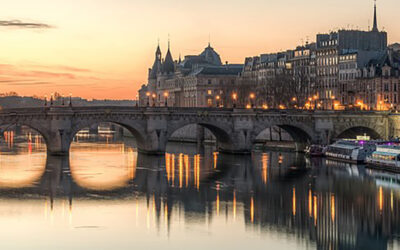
column 22, row 159
column 102, row 166
column 277, row 199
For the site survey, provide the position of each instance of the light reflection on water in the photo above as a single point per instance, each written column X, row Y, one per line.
column 119, row 199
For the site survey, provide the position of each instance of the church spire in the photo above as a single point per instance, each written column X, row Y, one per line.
column 375, row 27
column 169, row 42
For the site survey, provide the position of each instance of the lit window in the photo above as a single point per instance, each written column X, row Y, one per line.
column 209, row 92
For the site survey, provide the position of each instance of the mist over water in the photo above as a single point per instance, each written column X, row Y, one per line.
column 106, row 195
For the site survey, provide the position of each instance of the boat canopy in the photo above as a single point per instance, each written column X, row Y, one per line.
column 385, row 153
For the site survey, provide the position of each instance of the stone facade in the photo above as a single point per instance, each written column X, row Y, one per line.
column 236, row 130
column 318, row 75
column 197, row 81
column 374, row 85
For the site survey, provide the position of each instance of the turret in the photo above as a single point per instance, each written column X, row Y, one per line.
column 156, row 65
column 168, row 65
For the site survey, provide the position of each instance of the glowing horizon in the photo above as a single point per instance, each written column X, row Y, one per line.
column 103, row 49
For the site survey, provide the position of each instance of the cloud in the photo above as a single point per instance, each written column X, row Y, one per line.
column 30, row 83
column 61, row 67
column 24, row 25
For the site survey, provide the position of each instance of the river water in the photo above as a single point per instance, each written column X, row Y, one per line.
column 107, row 196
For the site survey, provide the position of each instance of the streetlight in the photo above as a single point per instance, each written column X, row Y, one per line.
column 148, row 98
column 315, row 97
column 294, row 100
column 217, row 98
column 166, row 98
column 234, row 98
column 252, row 96
column 70, row 99
column 153, row 99
column 45, row 100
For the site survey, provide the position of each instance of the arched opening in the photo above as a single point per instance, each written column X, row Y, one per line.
column 192, row 153
column 354, row 132
column 23, row 156
column 282, row 137
column 189, row 138
column 103, row 156
column 197, row 137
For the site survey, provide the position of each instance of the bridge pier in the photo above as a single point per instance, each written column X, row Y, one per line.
column 300, row 146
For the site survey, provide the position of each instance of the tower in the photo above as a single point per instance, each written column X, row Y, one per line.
column 156, row 65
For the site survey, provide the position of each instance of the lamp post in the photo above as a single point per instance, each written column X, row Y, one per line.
column 252, row 96
column 70, row 99
column 315, row 97
column 153, row 99
column 45, row 100
column 217, row 98
column 137, row 100
column 166, row 98
column 234, row 98
column 294, row 100
column 148, row 99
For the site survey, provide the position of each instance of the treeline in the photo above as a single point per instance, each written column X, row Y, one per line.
column 13, row 100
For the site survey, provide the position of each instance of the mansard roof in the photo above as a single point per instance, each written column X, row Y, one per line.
column 230, row 69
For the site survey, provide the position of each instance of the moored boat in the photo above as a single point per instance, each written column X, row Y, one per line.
column 353, row 151
column 385, row 157
column 314, row 150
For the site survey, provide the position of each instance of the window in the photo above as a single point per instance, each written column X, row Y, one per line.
column 209, row 92
column 209, row 81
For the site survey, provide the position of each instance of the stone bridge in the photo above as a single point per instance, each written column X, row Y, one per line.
column 236, row 130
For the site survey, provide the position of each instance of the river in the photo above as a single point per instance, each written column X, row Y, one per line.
column 106, row 195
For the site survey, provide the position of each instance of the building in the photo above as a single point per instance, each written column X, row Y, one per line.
column 196, row 81
column 283, row 79
column 374, row 85
column 344, row 69
column 351, row 65
column 330, row 47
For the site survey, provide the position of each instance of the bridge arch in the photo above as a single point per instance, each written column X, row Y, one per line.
column 134, row 128
column 301, row 134
column 351, row 132
column 220, row 131
column 36, row 127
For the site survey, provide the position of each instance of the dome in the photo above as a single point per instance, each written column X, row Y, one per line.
column 211, row 56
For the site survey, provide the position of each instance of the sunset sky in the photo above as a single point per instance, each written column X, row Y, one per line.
column 103, row 48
